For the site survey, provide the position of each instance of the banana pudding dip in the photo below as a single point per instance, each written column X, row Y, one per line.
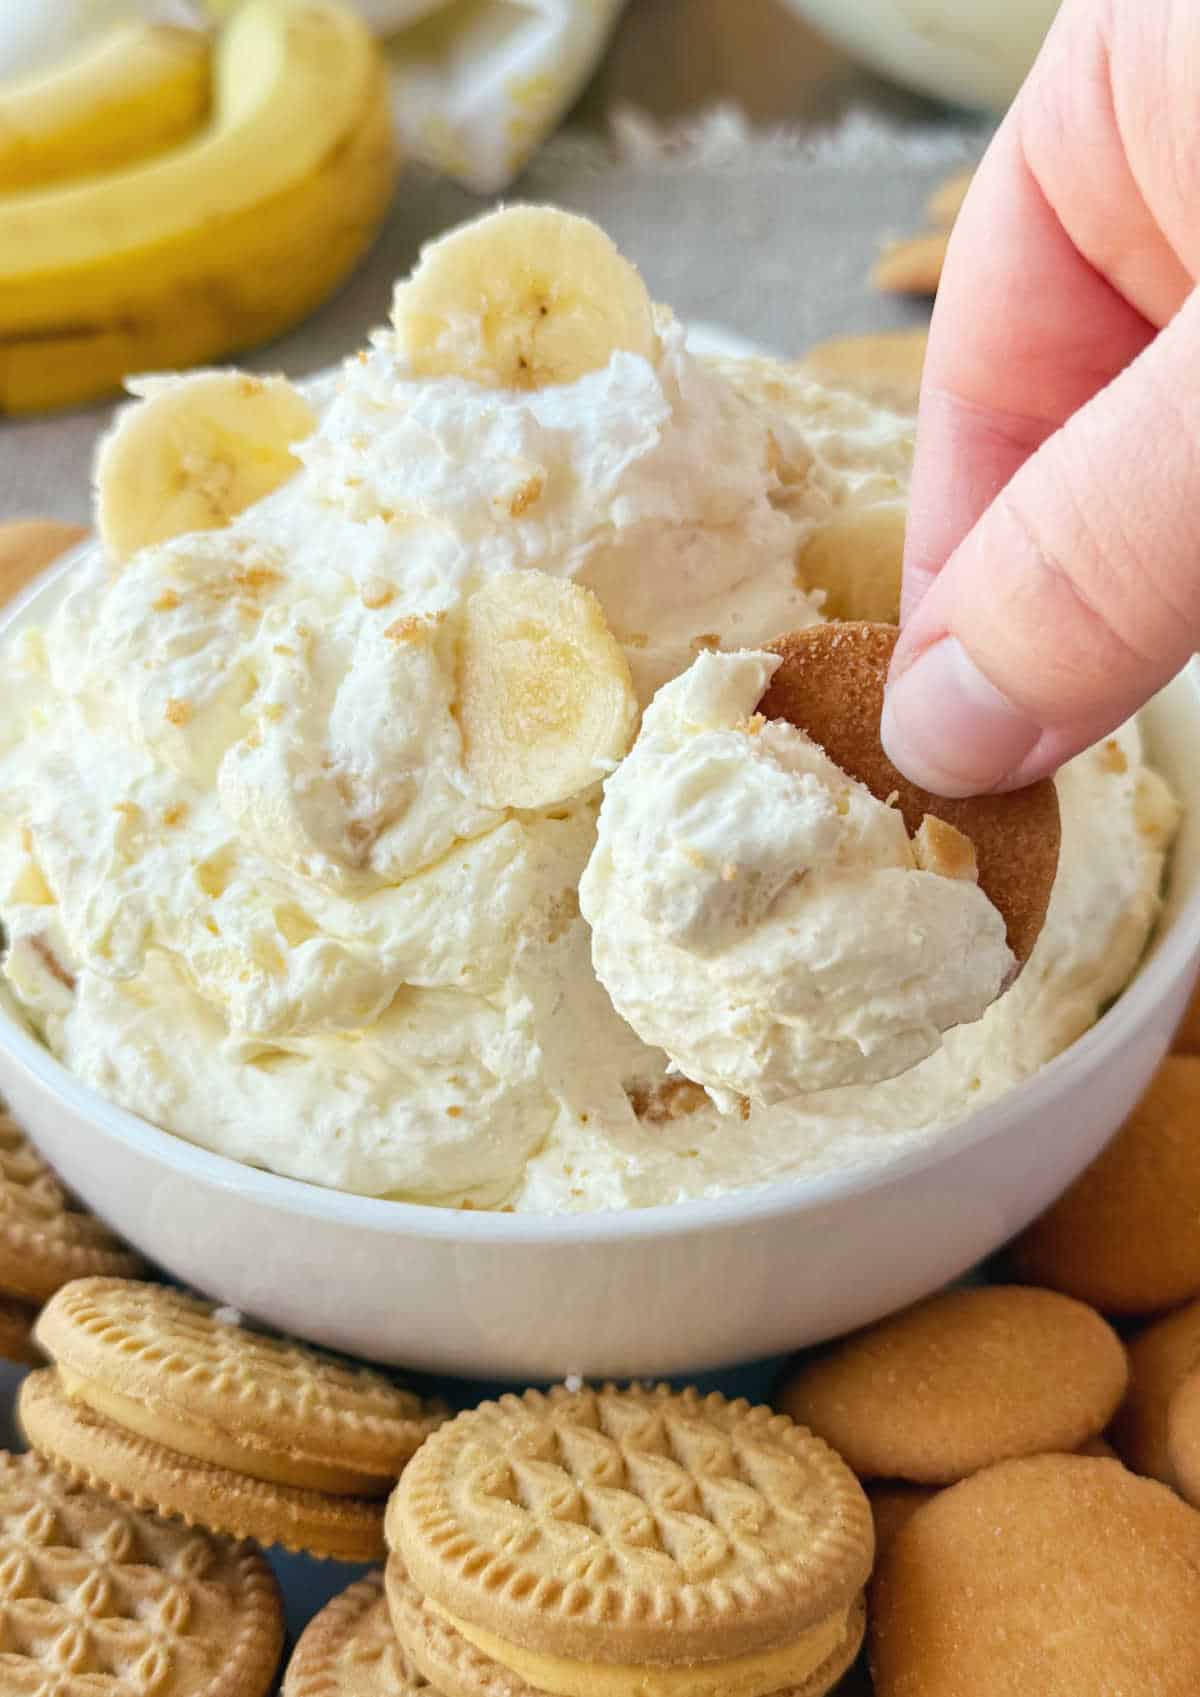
column 385, row 803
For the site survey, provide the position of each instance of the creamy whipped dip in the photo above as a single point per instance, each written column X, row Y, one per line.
column 254, row 890
column 750, row 903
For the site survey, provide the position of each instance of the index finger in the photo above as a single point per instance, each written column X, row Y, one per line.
column 1025, row 330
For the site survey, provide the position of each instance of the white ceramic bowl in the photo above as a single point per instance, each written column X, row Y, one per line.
column 972, row 51
column 659, row 1290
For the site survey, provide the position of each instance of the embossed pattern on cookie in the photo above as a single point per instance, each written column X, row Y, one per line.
column 95, row 1598
column 629, row 1525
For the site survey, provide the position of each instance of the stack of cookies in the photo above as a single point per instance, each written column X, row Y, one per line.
column 165, row 1402
column 581, row 1543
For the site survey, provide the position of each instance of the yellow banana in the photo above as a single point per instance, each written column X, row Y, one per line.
column 546, row 703
column 138, row 90
column 523, row 298
column 214, row 245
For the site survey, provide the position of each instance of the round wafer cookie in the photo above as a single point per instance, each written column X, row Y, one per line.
column 96, row 1599
column 350, row 1649
column 164, row 1365
column 98, row 1453
column 632, row 1525
column 46, row 1237
column 1161, row 1356
column 1124, row 1236
column 966, row 1378
column 1053, row 1575
column 831, row 686
column 455, row 1668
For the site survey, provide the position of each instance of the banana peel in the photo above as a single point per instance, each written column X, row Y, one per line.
column 215, row 245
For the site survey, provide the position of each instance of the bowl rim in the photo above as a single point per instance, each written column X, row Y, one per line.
column 1177, row 948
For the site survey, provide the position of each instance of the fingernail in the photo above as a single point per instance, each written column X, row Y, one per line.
column 949, row 729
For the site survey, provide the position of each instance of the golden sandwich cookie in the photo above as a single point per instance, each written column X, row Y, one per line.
column 1049, row 1576
column 168, row 1367
column 966, row 1378
column 350, row 1649
column 46, row 1237
column 97, row 1600
column 1125, row 1236
column 160, row 1398
column 104, row 1456
column 602, row 1543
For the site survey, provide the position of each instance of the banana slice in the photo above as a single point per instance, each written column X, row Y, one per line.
column 193, row 453
column 525, row 298
column 546, row 702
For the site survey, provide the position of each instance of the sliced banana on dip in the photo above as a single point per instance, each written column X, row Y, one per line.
column 546, row 703
column 194, row 453
column 524, row 298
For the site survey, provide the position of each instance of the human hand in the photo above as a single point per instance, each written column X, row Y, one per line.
column 1052, row 565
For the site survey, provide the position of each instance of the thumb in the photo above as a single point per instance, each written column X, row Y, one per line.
column 1074, row 597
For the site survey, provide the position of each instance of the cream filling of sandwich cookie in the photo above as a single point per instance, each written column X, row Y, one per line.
column 158, row 1425
column 762, row 917
column 301, row 777
column 759, row 1674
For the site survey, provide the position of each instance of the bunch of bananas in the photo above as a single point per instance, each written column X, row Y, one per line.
column 167, row 197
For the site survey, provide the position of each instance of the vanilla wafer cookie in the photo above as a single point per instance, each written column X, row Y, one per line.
column 97, row 1599
column 963, row 1379
column 350, row 1649
column 578, row 1537
column 831, row 685
column 46, row 1237
column 96, row 1452
column 163, row 1365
